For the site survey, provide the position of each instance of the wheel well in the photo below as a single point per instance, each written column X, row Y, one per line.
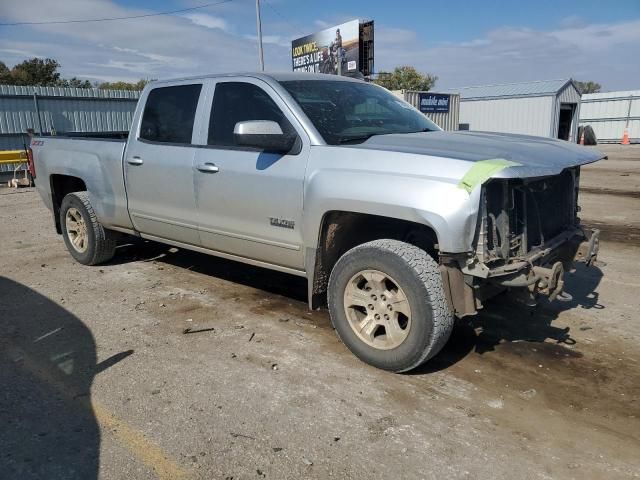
column 61, row 185
column 340, row 231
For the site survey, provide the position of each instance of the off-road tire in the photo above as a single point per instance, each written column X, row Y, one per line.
column 101, row 242
column 418, row 275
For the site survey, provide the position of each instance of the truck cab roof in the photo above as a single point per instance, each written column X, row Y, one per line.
column 271, row 76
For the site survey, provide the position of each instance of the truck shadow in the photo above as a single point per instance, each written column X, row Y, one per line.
column 47, row 365
column 502, row 319
column 264, row 279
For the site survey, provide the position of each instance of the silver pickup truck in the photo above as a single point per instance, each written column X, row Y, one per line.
column 397, row 225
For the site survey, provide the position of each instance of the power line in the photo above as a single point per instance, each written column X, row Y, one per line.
column 273, row 9
column 111, row 19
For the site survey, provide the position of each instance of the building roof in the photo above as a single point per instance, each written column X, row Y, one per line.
column 23, row 90
column 619, row 95
column 509, row 90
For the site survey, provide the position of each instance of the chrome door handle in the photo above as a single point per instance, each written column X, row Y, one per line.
column 135, row 161
column 208, row 168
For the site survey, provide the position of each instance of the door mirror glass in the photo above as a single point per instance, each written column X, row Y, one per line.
column 264, row 134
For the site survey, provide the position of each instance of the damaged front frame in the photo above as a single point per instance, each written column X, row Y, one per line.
column 468, row 282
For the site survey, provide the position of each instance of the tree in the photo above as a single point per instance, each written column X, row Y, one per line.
column 74, row 83
column 44, row 73
column 36, row 71
column 588, row 87
column 406, row 78
column 5, row 74
column 139, row 85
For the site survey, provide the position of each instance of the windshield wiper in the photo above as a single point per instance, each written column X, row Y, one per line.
column 360, row 139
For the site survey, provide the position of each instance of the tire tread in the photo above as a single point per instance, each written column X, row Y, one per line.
column 429, row 274
column 105, row 239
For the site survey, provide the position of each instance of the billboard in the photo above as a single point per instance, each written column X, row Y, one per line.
column 434, row 103
column 335, row 50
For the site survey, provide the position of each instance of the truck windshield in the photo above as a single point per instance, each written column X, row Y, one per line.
column 351, row 112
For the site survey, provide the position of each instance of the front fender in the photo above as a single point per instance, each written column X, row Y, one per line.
column 444, row 207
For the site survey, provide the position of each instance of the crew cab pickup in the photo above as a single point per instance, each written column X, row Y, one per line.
column 397, row 225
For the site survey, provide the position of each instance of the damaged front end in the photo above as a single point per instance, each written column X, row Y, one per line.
column 528, row 235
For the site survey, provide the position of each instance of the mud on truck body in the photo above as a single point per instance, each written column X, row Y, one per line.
column 397, row 226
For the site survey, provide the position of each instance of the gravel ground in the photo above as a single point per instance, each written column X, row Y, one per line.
column 171, row 364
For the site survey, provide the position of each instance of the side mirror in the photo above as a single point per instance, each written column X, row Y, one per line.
column 264, row 134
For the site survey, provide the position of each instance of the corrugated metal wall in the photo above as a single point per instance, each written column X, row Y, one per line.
column 447, row 121
column 569, row 94
column 609, row 112
column 62, row 110
column 524, row 115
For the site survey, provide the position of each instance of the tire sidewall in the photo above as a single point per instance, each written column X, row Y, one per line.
column 72, row 201
column 411, row 351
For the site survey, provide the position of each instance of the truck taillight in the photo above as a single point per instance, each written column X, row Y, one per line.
column 30, row 163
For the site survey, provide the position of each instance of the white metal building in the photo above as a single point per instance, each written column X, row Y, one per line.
column 56, row 109
column 447, row 118
column 548, row 108
column 609, row 113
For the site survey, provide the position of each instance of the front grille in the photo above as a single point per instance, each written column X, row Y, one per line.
column 520, row 215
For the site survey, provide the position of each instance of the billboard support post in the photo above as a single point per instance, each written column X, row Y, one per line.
column 259, row 27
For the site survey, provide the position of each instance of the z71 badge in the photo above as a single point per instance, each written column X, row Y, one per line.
column 281, row 222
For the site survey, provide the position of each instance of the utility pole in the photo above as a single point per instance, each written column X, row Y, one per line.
column 259, row 26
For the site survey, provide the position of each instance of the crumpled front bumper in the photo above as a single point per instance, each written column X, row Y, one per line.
column 544, row 274
column 541, row 273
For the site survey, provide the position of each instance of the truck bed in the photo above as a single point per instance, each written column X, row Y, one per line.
column 96, row 160
column 115, row 135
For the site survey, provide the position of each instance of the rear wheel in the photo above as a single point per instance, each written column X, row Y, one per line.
column 86, row 239
column 387, row 304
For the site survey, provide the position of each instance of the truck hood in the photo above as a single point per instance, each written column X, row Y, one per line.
column 535, row 156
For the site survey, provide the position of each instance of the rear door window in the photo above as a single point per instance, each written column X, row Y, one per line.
column 170, row 113
column 235, row 102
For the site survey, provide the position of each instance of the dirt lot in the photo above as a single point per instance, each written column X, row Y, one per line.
column 170, row 364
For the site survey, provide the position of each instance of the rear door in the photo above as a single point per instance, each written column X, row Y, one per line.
column 159, row 164
column 250, row 205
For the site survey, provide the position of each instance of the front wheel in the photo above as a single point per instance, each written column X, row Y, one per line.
column 388, row 305
column 86, row 239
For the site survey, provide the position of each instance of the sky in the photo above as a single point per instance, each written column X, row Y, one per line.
column 464, row 43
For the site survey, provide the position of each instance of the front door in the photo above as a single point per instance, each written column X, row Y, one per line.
column 249, row 201
column 159, row 165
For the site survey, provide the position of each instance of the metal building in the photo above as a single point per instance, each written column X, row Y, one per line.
column 547, row 108
column 610, row 113
column 52, row 110
column 442, row 108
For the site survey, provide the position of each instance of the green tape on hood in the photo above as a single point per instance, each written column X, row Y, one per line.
column 483, row 171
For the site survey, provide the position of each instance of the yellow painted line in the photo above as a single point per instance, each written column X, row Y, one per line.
column 134, row 440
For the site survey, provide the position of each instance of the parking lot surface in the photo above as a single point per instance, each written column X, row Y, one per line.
column 170, row 364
